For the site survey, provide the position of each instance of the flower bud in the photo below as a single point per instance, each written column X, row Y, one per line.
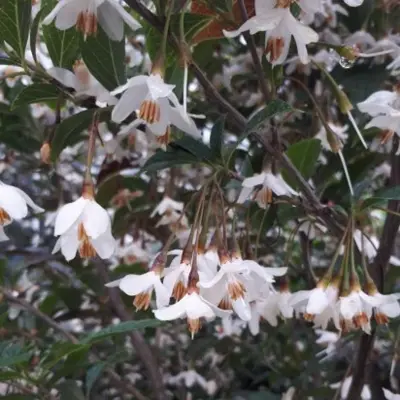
column 45, row 152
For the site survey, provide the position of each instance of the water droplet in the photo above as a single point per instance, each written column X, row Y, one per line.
column 346, row 63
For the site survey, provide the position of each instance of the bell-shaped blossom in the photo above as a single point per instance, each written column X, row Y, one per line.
column 229, row 287
column 83, row 82
column 275, row 17
column 155, row 104
column 86, row 14
column 318, row 304
column 193, row 307
column 176, row 276
column 14, row 204
column 384, row 107
column 355, row 310
column 385, row 306
column 85, row 226
column 270, row 183
column 142, row 286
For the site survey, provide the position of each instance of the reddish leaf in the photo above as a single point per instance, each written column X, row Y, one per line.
column 213, row 30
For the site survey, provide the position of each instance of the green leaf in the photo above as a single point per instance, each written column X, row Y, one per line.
column 123, row 327
column 273, row 108
column 69, row 390
column 9, row 61
column 92, row 375
column 168, row 159
column 63, row 46
column 34, row 33
column 381, row 197
column 71, row 128
column 36, row 93
column 194, row 146
column 19, row 397
column 304, row 156
column 59, row 351
column 15, row 19
column 105, row 59
column 217, row 137
column 13, row 354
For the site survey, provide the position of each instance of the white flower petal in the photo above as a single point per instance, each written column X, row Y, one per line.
column 135, row 284
column 66, row 77
column 12, row 202
column 177, row 310
column 95, row 219
column 68, row 215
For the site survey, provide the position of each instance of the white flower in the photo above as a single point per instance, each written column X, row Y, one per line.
column 318, row 304
column 83, row 82
column 339, row 131
column 390, row 396
column 155, row 103
column 311, row 227
column 193, row 307
column 355, row 310
column 229, row 287
column 167, row 205
column 176, row 276
column 142, row 287
column 14, row 205
column 85, row 226
column 275, row 17
column 384, row 106
column 86, row 13
column 191, row 377
column 384, row 306
column 270, row 184
column 369, row 246
column 134, row 252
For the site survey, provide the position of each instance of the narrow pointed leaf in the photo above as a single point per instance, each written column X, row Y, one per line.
column 15, row 19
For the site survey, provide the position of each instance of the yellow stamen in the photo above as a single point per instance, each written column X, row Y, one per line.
column 4, row 217
column 149, row 112
column 86, row 250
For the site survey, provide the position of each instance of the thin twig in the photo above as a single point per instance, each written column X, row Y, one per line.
column 254, row 55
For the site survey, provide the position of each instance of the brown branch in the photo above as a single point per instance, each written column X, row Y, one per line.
column 253, row 51
column 141, row 347
column 49, row 321
column 377, row 270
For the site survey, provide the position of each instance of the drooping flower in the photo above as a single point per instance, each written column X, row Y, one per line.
column 355, row 310
column 230, row 286
column 84, row 226
column 14, row 204
column 384, row 107
column 193, row 307
column 142, row 286
column 155, row 104
column 275, row 17
column 319, row 304
column 83, row 82
column 270, row 184
column 86, row 14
